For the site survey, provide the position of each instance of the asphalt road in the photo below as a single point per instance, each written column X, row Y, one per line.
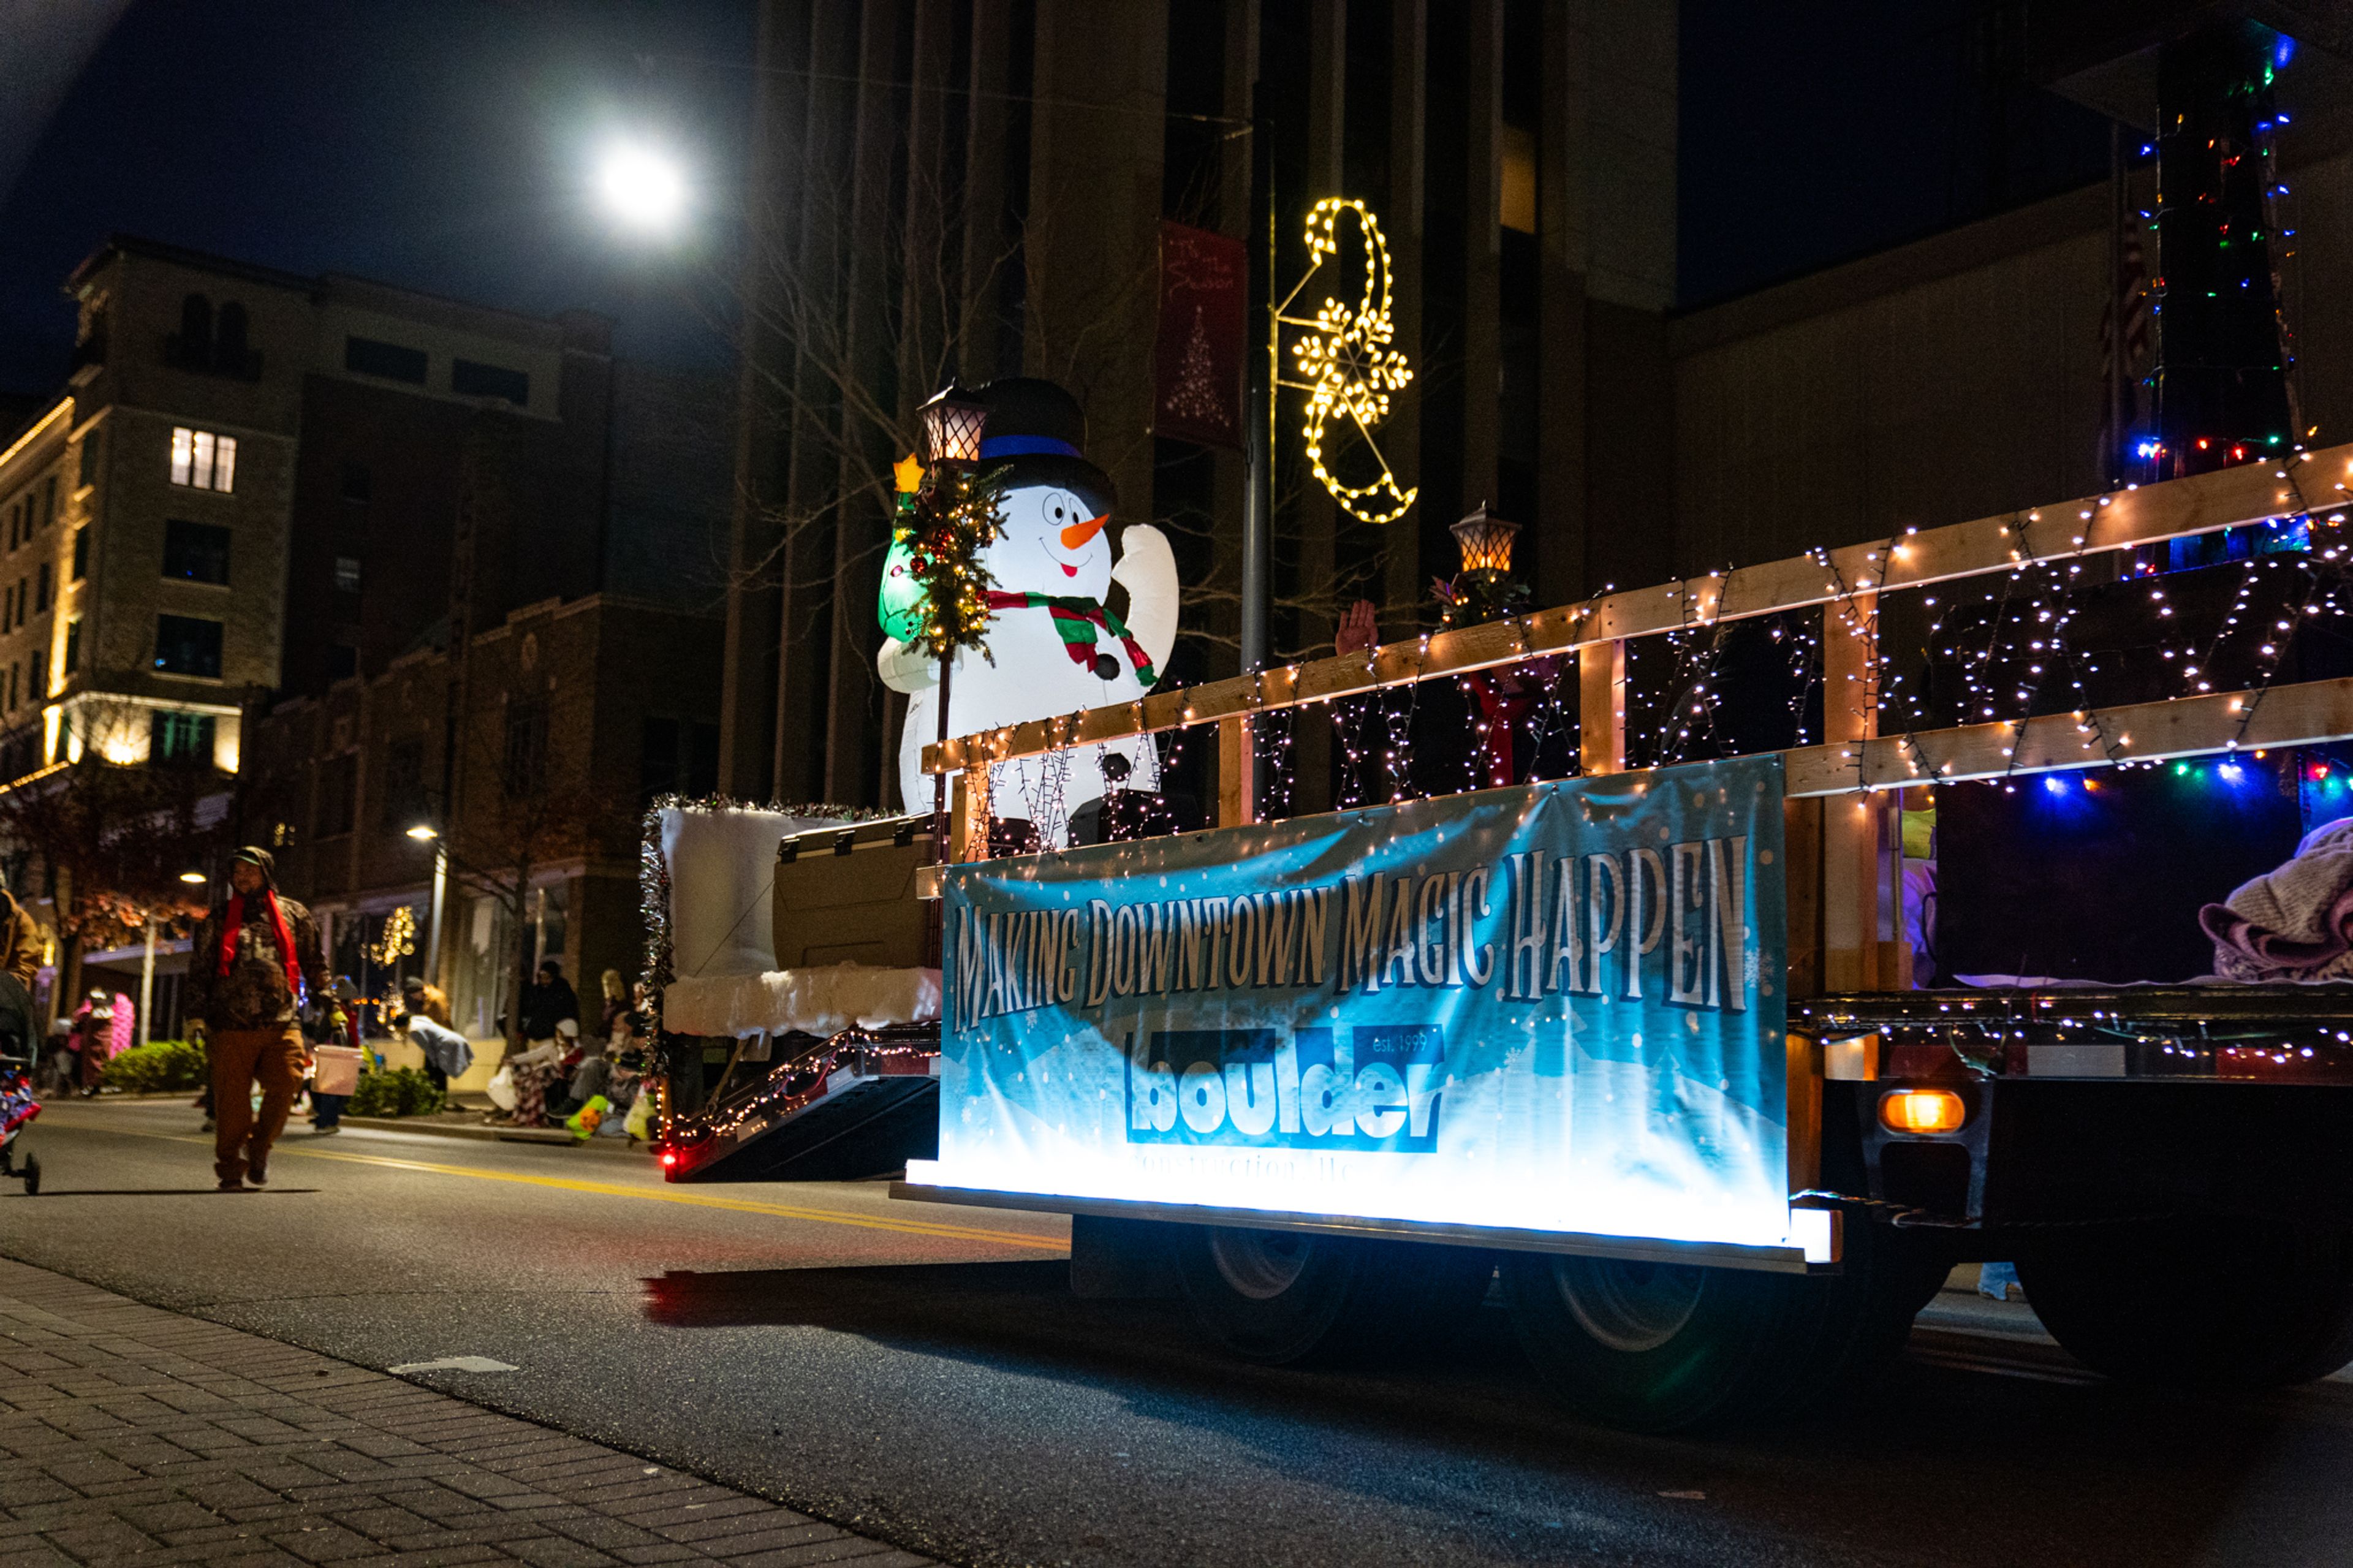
column 922, row 1374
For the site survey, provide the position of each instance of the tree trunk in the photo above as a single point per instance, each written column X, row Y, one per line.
column 523, row 965
column 68, row 986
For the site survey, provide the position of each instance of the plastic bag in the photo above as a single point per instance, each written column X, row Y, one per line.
column 582, row 1123
column 501, row 1088
column 640, row 1120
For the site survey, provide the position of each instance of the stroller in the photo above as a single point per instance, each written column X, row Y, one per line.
column 19, row 1049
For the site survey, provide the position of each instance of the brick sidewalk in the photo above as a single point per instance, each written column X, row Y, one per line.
column 130, row 1435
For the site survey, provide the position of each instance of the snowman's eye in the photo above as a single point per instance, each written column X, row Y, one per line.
column 1057, row 511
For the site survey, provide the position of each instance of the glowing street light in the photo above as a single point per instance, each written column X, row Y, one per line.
column 423, row 831
column 642, row 188
column 194, row 877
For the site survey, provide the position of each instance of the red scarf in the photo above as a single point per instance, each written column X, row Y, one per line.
column 235, row 922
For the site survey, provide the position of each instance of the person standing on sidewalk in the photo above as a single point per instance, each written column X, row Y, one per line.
column 250, row 964
column 418, row 1000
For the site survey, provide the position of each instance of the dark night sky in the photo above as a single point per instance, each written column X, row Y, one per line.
column 442, row 144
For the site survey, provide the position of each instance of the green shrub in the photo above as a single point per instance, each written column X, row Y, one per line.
column 157, row 1066
column 403, row 1091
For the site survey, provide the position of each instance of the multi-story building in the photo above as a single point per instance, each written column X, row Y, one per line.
column 979, row 187
column 531, row 751
column 1523, row 158
column 259, row 488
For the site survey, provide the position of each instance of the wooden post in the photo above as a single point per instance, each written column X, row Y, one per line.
column 1236, row 774
column 1805, row 1123
column 1601, row 707
column 969, row 827
column 1862, row 946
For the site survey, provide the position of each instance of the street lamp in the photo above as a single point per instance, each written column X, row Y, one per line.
column 425, row 832
column 642, row 188
column 195, row 878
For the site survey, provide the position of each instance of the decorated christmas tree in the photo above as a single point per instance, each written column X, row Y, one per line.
column 1195, row 398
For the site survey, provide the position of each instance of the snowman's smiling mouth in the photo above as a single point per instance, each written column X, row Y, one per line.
column 1068, row 571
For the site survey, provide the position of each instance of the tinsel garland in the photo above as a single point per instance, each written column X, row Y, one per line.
column 653, row 870
column 672, row 1054
column 944, row 527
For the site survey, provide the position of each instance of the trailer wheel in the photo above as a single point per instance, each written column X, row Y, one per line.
column 32, row 1175
column 1668, row 1347
column 1280, row 1297
column 2244, row 1307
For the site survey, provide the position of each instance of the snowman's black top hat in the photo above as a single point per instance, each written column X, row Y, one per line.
column 1040, row 432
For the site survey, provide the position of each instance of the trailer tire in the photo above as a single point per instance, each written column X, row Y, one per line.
column 1660, row 1347
column 2240, row 1307
column 1282, row 1297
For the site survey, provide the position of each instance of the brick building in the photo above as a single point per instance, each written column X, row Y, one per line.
column 260, row 489
column 547, row 733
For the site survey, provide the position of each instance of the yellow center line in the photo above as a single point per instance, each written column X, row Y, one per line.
column 698, row 1199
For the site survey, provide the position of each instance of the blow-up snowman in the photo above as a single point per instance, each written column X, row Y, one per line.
column 1055, row 646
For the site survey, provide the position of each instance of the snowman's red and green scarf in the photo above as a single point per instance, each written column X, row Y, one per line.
column 1078, row 620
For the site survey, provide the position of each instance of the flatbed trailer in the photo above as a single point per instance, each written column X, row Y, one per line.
column 2166, row 1164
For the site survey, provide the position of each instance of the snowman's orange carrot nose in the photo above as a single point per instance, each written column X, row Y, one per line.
column 1078, row 534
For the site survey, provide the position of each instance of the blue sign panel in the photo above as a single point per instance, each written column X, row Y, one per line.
column 1556, row 1008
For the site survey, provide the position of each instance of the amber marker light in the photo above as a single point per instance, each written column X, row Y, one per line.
column 1918, row 1112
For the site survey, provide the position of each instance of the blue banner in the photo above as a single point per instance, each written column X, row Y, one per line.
column 1552, row 1008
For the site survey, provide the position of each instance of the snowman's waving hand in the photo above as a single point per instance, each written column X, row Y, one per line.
column 907, row 667
column 1147, row 570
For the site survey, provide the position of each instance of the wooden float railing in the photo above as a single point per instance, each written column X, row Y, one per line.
column 1845, row 901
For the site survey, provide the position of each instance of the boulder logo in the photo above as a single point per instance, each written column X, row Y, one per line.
column 1373, row 1087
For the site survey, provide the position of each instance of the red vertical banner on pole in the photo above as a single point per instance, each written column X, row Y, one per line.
column 1197, row 357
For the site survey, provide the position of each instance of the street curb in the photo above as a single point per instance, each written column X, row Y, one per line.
column 548, row 1136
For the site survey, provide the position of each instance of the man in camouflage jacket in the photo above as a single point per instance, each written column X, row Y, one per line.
column 249, row 965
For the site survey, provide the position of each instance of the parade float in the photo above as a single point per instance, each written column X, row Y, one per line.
column 1716, row 963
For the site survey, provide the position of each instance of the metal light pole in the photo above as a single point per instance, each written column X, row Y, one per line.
column 1258, row 499
column 147, row 983
column 953, row 424
column 433, row 926
column 421, row 832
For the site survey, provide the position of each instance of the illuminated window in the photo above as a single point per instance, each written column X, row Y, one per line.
column 201, row 460
column 347, row 574
column 1519, row 193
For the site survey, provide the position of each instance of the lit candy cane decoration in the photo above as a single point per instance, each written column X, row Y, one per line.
column 1350, row 368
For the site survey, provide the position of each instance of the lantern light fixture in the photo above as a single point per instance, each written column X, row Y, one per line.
column 1487, row 542
column 953, row 421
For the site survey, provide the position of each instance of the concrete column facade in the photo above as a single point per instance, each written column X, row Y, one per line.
column 755, row 589
column 1091, row 247
column 1401, row 211
column 854, row 708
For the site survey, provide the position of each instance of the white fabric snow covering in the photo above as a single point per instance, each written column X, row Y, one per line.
column 722, row 867
column 818, row 1001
